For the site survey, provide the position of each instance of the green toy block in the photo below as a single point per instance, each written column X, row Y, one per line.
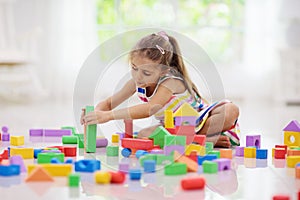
column 46, row 157
column 112, row 151
column 180, row 140
column 147, row 157
column 91, row 133
column 176, row 169
column 73, row 180
column 215, row 152
column 159, row 135
column 170, row 140
column 80, row 140
column 162, row 159
column 209, row 167
column 73, row 129
column 209, row 146
column 66, row 139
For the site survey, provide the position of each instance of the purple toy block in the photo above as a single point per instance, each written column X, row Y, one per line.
column 157, row 151
column 185, row 121
column 5, row 137
column 293, row 126
column 36, row 139
column 223, row 164
column 36, row 132
column 4, row 129
column 101, row 142
column 170, row 149
column 253, row 141
column 18, row 160
column 124, row 167
column 239, row 151
column 121, row 135
column 57, row 132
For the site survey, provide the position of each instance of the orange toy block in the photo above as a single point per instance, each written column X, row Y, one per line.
column 191, row 165
column 297, row 172
column 226, row 153
column 293, row 152
column 39, row 174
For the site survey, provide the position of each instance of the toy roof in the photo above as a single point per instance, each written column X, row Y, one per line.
column 186, row 110
column 293, row 126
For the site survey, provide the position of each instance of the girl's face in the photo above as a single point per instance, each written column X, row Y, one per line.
column 145, row 72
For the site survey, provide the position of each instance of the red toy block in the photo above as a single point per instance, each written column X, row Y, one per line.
column 193, row 183
column 70, row 151
column 4, row 155
column 128, row 128
column 1, row 159
column 193, row 156
column 139, row 144
column 282, row 146
column 200, row 139
column 117, row 177
column 188, row 131
column 171, row 130
column 281, row 197
column 0, row 136
column 279, row 153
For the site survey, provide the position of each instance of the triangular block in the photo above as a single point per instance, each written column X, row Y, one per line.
column 39, row 174
column 186, row 110
column 191, row 164
column 293, row 126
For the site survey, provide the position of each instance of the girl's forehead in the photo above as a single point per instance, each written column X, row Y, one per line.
column 145, row 63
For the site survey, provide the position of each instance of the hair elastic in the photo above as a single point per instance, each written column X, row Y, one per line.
column 163, row 34
column 162, row 51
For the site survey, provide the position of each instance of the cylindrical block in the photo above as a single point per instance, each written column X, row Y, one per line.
column 36, row 132
column 101, row 142
column 5, row 137
column 117, row 177
column 193, row 183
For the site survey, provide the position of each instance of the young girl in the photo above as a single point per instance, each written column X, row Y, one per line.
column 161, row 80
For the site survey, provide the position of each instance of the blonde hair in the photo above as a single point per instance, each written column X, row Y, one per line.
column 164, row 49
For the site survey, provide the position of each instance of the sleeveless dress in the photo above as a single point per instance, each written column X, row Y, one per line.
column 203, row 109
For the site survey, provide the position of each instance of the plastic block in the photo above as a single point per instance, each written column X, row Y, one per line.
column 115, row 138
column 279, row 153
column 87, row 165
column 69, row 139
column 149, row 166
column 70, row 151
column 215, row 152
column 55, row 161
column 112, row 151
column 73, row 180
column 226, row 153
column 239, row 151
column 18, row 160
column 185, row 121
column 250, row 152
column 17, row 140
column 169, row 140
column 288, row 135
column 159, row 135
column 175, row 169
column 56, row 132
column 293, row 152
column 291, row 161
column 5, row 137
column 126, row 152
column 162, row 159
column 117, row 177
column 135, row 174
column 101, row 142
column 193, row 147
column 169, row 149
column 285, row 147
column 36, row 132
column 261, row 153
column 26, row 153
column 210, row 167
column 253, row 141
column 69, row 161
column 102, row 177
column 39, row 174
column 128, row 128
column 192, row 166
column 36, row 152
column 193, row 156
column 53, row 170
column 209, row 146
column 124, row 167
column 200, row 139
column 147, row 157
column 186, row 110
column 168, row 119
column 46, row 157
column 139, row 144
column 9, row 170
column 297, row 172
column 4, row 154
column 223, row 164
column 80, row 140
column 188, row 131
column 140, row 153
column 281, row 197
column 90, row 134
column 193, row 183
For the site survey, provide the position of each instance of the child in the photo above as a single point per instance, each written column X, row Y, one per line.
column 161, row 80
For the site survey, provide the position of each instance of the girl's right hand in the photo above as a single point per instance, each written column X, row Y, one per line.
column 82, row 116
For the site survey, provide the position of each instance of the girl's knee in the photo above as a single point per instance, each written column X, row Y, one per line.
column 232, row 113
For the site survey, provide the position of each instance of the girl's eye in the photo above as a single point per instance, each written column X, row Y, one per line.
column 147, row 74
column 134, row 68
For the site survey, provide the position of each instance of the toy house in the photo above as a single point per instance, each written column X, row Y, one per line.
column 292, row 134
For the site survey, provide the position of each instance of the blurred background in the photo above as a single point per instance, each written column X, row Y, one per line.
column 254, row 44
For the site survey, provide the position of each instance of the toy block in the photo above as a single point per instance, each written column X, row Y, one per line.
column 185, row 121
column 142, row 144
column 291, row 138
column 4, row 154
column 172, row 131
column 194, row 147
column 56, row 132
column 87, row 165
column 210, row 167
column 147, row 157
column 124, row 167
column 159, row 135
column 192, row 166
column 101, row 142
column 102, row 177
column 112, row 151
column 140, row 153
column 223, row 164
column 149, row 166
column 285, row 147
column 9, row 170
column 297, row 172
column 281, row 197
column 169, row 149
column 279, row 153
column 90, row 134
column 209, row 146
column 168, row 119
column 239, row 151
column 53, row 170
column 70, row 151
column 162, row 159
column 293, row 152
column 115, row 138
column 200, row 139
column 0, row 136
column 117, row 177
column 293, row 126
column 80, row 140
column 17, row 140
column 193, row 183
column 253, row 141
column 215, row 152
column 175, row 140
column 226, row 153
column 46, row 157
column 69, row 139
column 55, row 161
column 74, row 180
column 18, row 160
column 261, row 153
column 175, row 169
column 291, row 161
column 250, row 152
column 39, row 174
column 128, row 128
column 188, row 131
column 126, row 152
column 193, row 156
column 26, row 153
column 157, row 151
column 135, row 174
column 201, row 159
column 36, row 132
column 5, row 135
column 54, row 149
column 72, row 128
column 186, row 110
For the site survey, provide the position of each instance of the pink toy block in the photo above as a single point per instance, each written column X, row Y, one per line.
column 140, row 144
column 188, row 131
column 223, row 164
column 101, row 142
column 200, row 139
column 18, row 160
column 171, row 148
column 36, row 132
column 128, row 128
column 253, row 141
column 57, row 133
column 185, row 121
column 239, row 151
column 293, row 126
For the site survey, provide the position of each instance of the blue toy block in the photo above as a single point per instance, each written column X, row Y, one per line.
column 209, row 157
column 126, row 152
column 87, row 165
column 69, row 161
column 36, row 152
column 9, row 170
column 135, row 174
column 261, row 153
column 55, row 161
column 149, row 166
column 140, row 153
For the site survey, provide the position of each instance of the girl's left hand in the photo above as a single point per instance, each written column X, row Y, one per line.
column 97, row 117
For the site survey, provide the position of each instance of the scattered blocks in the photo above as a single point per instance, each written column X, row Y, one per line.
column 112, row 151
column 142, row 144
column 253, row 141
column 192, row 166
column 39, row 174
column 135, row 174
column 102, row 177
column 201, row 159
column 17, row 140
column 87, row 165
column 193, row 183
column 73, row 180
column 159, row 135
column 210, row 167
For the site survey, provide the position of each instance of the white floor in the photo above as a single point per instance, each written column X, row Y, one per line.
column 249, row 178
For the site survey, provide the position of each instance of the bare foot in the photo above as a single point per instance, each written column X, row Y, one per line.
column 223, row 141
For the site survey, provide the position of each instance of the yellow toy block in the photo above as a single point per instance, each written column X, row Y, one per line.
column 250, row 152
column 186, row 110
column 194, row 147
column 291, row 161
column 102, row 177
column 273, row 152
column 26, row 153
column 115, row 138
column 226, row 153
column 53, row 169
column 291, row 138
column 17, row 140
column 169, row 119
